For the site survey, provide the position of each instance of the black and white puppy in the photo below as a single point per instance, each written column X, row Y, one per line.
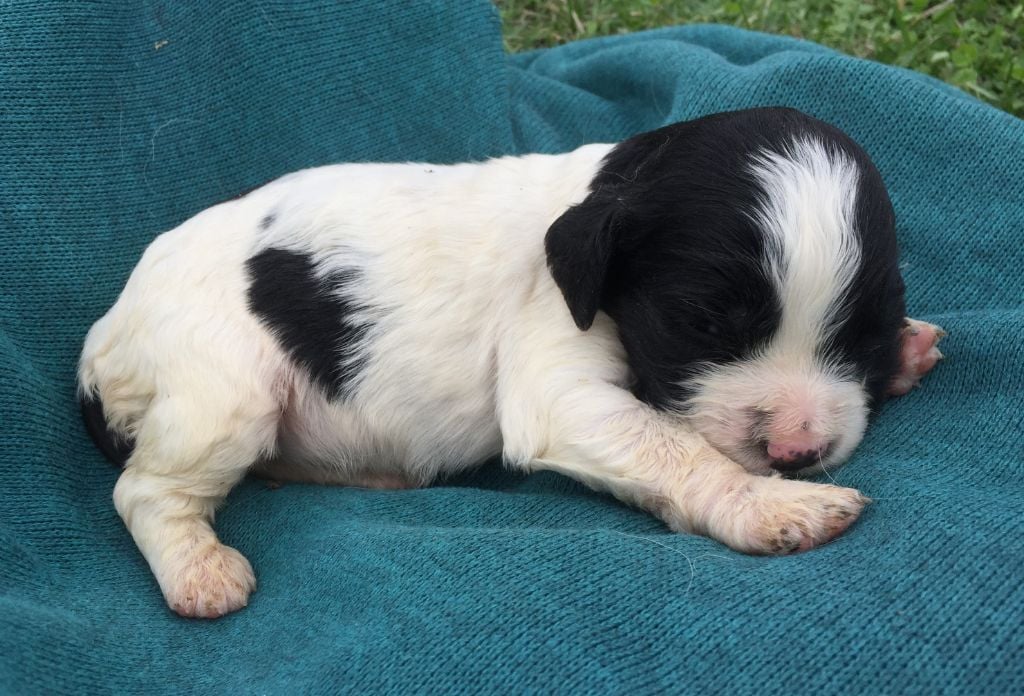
column 673, row 319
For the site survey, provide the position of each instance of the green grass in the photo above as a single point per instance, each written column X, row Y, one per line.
column 975, row 45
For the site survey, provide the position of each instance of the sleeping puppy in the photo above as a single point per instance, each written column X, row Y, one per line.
column 676, row 320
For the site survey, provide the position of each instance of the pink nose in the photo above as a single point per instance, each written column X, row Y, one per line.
column 797, row 452
column 788, row 450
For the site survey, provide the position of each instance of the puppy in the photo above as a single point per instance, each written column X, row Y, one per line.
column 674, row 319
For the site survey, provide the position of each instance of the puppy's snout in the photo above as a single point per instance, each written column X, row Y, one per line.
column 797, row 452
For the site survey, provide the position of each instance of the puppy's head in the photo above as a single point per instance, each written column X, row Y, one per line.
column 749, row 260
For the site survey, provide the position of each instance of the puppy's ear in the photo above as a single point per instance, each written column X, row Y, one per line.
column 579, row 247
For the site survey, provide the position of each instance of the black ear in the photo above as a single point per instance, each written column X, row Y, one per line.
column 579, row 247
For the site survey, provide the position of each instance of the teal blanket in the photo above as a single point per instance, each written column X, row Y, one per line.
column 120, row 120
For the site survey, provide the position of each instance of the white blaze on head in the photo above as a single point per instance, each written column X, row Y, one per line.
column 807, row 214
column 788, row 390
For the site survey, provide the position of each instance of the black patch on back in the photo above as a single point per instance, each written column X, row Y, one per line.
column 309, row 314
column 114, row 446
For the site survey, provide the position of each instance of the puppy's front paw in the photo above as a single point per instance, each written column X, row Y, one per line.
column 209, row 583
column 918, row 354
column 781, row 516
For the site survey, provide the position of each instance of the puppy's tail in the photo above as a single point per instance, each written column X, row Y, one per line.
column 115, row 446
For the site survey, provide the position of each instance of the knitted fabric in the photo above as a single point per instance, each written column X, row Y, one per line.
column 120, row 120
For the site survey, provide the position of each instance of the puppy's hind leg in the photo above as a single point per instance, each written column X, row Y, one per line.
column 191, row 448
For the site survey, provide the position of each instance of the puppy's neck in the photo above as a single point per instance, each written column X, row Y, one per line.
column 536, row 189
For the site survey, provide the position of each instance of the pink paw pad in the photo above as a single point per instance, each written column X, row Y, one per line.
column 918, row 355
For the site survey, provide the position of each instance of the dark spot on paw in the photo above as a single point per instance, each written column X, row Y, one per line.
column 840, row 511
column 784, row 543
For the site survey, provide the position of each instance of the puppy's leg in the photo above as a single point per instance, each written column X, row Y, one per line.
column 919, row 354
column 563, row 407
column 606, row 439
column 190, row 449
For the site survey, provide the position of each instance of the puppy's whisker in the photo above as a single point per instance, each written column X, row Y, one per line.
column 825, row 470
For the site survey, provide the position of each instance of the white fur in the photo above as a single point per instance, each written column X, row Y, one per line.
column 470, row 352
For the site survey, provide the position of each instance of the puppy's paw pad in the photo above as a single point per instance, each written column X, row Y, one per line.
column 918, row 354
column 213, row 582
column 799, row 517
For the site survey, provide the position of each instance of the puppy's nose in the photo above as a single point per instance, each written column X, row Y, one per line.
column 793, row 454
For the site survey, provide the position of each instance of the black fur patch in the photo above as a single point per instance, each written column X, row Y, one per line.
column 868, row 337
column 113, row 446
column 308, row 313
column 267, row 221
column 665, row 244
